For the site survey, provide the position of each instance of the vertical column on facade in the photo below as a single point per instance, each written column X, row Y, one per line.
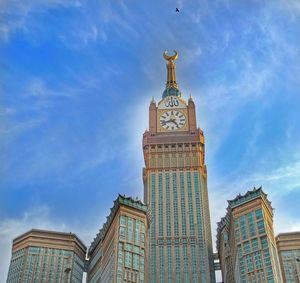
column 176, row 266
column 160, row 227
column 200, row 226
column 192, row 218
column 210, row 265
column 169, row 226
column 152, row 229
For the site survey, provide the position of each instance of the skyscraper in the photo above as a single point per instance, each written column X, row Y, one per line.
column 175, row 189
column 288, row 246
column 246, row 242
column 47, row 256
column 119, row 252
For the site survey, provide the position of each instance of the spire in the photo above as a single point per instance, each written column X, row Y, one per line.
column 171, row 85
column 171, row 75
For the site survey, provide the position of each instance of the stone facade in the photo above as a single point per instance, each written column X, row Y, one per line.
column 47, row 256
column 288, row 246
column 119, row 251
column 246, row 242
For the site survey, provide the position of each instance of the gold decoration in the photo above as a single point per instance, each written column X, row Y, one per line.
column 171, row 75
column 170, row 58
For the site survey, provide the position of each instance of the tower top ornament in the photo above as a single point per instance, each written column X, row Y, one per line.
column 171, row 85
column 170, row 58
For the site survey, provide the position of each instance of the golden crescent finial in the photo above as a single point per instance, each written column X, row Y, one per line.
column 171, row 58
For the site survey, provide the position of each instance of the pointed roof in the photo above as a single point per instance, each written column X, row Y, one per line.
column 171, row 84
column 250, row 195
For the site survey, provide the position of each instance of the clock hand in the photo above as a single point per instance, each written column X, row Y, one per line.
column 166, row 122
column 174, row 121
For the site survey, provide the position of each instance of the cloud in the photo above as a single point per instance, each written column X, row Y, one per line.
column 120, row 18
column 15, row 14
column 6, row 111
column 291, row 6
column 284, row 224
column 17, row 128
column 86, row 34
column 90, row 26
column 39, row 88
column 191, row 54
column 35, row 97
column 221, row 102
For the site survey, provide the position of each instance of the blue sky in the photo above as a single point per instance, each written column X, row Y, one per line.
column 76, row 81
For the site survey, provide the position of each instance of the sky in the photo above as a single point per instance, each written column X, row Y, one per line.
column 76, row 79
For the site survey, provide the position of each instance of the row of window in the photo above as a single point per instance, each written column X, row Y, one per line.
column 161, row 203
column 130, row 258
column 247, row 226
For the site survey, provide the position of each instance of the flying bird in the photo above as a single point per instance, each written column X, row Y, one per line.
column 177, row 10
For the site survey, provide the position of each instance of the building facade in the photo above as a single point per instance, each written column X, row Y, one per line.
column 288, row 246
column 47, row 256
column 246, row 241
column 119, row 251
column 175, row 189
column 224, row 251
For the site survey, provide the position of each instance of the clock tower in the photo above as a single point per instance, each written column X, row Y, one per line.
column 175, row 189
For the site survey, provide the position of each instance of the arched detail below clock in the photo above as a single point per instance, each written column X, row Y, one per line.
column 173, row 120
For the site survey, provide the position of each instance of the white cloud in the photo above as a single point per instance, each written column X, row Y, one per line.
column 84, row 35
column 120, row 18
column 15, row 13
column 5, row 111
column 292, row 6
column 37, row 96
column 283, row 223
column 4, row 32
column 191, row 54
column 17, row 128
column 39, row 88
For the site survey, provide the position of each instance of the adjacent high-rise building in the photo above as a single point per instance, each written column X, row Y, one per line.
column 47, row 256
column 224, row 250
column 245, row 240
column 175, row 189
column 119, row 251
column 288, row 246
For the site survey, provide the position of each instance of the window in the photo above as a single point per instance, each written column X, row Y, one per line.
column 258, row 213
column 128, row 259
column 246, row 247
column 128, row 247
column 135, row 261
column 257, row 259
column 122, row 233
column 130, row 230
column 261, row 227
column 254, row 244
column 123, row 220
column 249, row 263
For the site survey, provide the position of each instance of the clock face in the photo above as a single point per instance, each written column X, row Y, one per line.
column 172, row 120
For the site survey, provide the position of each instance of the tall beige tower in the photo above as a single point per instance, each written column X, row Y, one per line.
column 175, row 189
